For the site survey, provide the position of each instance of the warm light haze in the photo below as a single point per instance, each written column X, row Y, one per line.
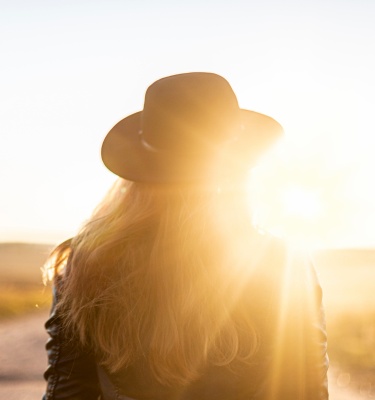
column 71, row 70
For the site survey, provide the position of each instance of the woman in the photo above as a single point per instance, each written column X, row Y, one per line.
column 168, row 291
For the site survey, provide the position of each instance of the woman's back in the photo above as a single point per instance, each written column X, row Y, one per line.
column 282, row 301
column 290, row 358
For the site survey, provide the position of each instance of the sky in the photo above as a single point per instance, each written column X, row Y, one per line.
column 70, row 70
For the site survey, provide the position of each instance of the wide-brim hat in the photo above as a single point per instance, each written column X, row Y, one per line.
column 190, row 129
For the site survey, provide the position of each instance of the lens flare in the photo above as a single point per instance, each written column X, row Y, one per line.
column 301, row 202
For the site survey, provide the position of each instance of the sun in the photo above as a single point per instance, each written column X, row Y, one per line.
column 298, row 216
column 301, row 202
column 292, row 210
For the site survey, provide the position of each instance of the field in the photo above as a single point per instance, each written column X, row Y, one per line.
column 21, row 285
column 347, row 277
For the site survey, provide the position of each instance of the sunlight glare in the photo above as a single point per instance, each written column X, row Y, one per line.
column 301, row 202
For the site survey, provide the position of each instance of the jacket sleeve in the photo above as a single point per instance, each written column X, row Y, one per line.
column 318, row 338
column 71, row 373
column 300, row 361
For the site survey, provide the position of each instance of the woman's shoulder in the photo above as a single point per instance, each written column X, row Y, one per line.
column 278, row 266
column 275, row 253
column 268, row 252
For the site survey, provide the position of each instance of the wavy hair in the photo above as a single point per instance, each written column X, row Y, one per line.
column 157, row 272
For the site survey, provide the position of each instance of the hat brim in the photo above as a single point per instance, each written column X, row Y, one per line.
column 125, row 154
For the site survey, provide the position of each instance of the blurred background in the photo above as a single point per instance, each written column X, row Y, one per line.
column 70, row 70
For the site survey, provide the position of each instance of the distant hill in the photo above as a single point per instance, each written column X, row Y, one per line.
column 344, row 257
column 21, row 262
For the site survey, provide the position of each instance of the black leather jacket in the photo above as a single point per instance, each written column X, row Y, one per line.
column 290, row 364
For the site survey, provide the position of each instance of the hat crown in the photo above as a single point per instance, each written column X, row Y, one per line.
column 185, row 113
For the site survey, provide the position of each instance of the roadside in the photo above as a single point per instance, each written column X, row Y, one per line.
column 22, row 357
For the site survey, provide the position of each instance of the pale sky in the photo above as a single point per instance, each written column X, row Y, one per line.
column 71, row 69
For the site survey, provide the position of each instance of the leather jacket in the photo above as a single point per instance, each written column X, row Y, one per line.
column 291, row 362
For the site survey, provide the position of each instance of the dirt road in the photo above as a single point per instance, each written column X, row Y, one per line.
column 23, row 360
column 22, row 357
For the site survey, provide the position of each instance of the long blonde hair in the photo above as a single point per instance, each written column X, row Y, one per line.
column 157, row 273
